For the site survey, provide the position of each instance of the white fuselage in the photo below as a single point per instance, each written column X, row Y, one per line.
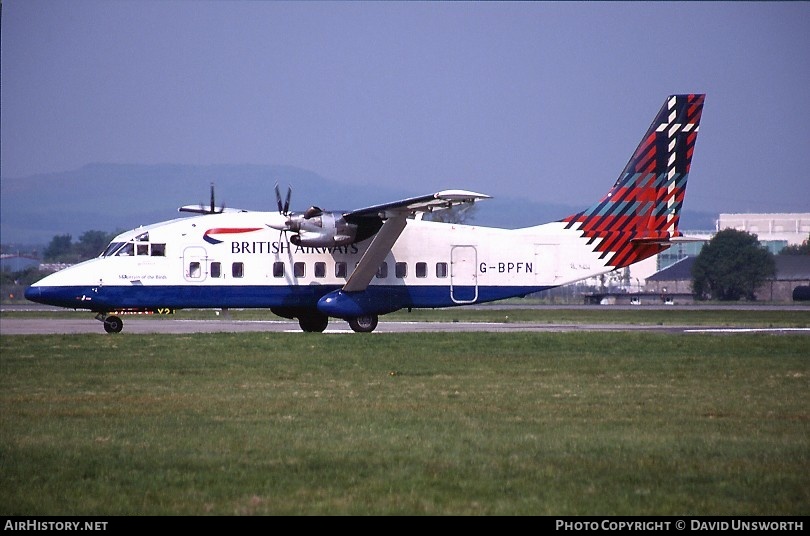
column 236, row 260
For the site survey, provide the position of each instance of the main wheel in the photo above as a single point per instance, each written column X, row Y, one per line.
column 363, row 324
column 113, row 324
column 313, row 323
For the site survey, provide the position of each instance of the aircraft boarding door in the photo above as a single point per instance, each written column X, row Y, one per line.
column 463, row 274
column 195, row 264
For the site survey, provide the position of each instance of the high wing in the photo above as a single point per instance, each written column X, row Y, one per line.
column 395, row 215
column 424, row 203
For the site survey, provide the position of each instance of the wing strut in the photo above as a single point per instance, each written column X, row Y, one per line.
column 375, row 254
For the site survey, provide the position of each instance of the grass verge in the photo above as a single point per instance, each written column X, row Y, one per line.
column 618, row 423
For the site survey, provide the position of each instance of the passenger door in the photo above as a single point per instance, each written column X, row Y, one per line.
column 195, row 264
column 463, row 274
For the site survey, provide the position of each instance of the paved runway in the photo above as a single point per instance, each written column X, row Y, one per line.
column 45, row 326
column 83, row 322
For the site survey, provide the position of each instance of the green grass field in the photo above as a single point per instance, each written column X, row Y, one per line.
column 619, row 423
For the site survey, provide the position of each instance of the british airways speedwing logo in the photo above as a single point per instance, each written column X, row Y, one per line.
column 208, row 235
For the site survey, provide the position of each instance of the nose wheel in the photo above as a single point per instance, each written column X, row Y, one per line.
column 112, row 323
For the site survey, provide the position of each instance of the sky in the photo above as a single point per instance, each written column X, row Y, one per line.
column 535, row 100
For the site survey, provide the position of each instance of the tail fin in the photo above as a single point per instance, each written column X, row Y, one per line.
column 640, row 213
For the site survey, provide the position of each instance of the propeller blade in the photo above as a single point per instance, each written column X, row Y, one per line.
column 287, row 201
column 213, row 205
column 278, row 200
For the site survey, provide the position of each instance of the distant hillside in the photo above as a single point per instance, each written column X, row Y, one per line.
column 109, row 197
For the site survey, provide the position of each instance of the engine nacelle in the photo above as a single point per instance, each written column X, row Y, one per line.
column 322, row 229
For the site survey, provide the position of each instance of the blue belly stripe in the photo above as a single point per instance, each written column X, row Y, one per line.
column 377, row 299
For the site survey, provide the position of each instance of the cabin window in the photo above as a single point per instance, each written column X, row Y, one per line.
column 382, row 271
column 421, row 269
column 194, row 270
column 216, row 269
column 142, row 249
column 299, row 269
column 278, row 269
column 158, row 250
column 441, row 269
column 238, row 269
column 401, row 269
column 320, row 269
column 340, row 269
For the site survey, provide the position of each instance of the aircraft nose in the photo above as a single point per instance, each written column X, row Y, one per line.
column 52, row 295
column 33, row 294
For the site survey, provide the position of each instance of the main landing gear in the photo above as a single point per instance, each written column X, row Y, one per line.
column 313, row 322
column 112, row 323
column 316, row 323
column 363, row 324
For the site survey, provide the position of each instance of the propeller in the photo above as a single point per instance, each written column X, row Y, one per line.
column 313, row 227
column 202, row 209
column 212, row 209
column 285, row 208
column 282, row 223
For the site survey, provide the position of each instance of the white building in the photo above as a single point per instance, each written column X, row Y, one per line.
column 774, row 231
column 793, row 228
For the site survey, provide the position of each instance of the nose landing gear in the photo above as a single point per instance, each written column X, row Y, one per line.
column 112, row 323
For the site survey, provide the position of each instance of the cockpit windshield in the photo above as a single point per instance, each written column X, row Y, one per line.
column 127, row 249
column 112, row 248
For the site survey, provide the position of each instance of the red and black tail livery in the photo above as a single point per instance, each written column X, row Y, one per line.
column 637, row 217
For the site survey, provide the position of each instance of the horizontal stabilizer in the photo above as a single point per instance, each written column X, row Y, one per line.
column 675, row 239
column 666, row 240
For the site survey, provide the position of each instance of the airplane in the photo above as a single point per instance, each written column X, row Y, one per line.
column 358, row 265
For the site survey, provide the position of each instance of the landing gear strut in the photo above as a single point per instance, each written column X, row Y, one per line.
column 112, row 323
column 363, row 324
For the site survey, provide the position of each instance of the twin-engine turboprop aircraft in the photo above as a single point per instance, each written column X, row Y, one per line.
column 364, row 263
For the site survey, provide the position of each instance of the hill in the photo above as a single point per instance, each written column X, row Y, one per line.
column 110, row 197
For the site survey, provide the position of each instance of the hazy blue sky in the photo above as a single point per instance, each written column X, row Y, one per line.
column 540, row 100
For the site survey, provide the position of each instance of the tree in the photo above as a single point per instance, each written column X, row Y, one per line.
column 797, row 249
column 92, row 243
column 731, row 266
column 59, row 249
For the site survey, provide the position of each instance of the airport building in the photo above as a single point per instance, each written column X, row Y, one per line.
column 675, row 282
column 17, row 263
column 668, row 274
column 774, row 231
